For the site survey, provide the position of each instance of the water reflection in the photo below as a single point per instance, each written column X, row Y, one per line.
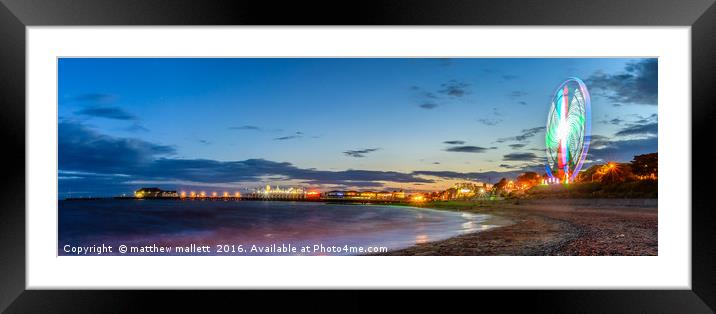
column 178, row 223
column 421, row 239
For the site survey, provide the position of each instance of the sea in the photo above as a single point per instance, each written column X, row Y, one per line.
column 111, row 227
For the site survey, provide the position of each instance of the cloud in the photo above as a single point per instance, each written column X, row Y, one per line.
column 454, row 142
column 339, row 184
column 98, row 105
column 524, row 167
column 648, row 119
column 288, row 137
column 205, row 142
column 650, row 129
column 466, row 149
column 509, row 77
column 448, row 91
column 421, row 93
column 81, row 148
column 520, row 157
column 428, row 105
column 107, row 112
column 253, row 170
column 360, row 153
column 425, row 99
column 106, row 163
column 523, row 136
column 245, row 128
column 603, row 149
column 636, row 84
column 136, row 127
column 489, row 122
column 516, row 146
column 522, row 102
column 96, row 98
column 517, row 94
column 527, row 133
column 615, row 121
column 487, row 176
column 454, row 88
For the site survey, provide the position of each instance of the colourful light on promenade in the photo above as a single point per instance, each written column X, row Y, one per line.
column 417, row 198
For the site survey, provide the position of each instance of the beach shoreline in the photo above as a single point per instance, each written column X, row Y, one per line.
column 563, row 227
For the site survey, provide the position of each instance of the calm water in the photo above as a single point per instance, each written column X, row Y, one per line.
column 165, row 223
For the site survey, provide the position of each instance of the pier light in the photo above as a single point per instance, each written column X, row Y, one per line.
column 183, row 194
column 226, row 194
column 192, row 194
column 213, row 194
column 202, row 194
column 237, row 194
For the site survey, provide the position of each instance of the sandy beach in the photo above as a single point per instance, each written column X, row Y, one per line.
column 552, row 227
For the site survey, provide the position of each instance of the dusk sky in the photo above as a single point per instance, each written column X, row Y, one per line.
column 366, row 124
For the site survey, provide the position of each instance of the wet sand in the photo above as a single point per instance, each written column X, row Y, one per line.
column 553, row 227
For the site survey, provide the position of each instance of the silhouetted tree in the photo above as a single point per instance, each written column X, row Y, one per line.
column 645, row 165
column 615, row 173
column 529, row 179
column 591, row 174
column 500, row 185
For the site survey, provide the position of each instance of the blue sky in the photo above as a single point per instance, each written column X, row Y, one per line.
column 363, row 123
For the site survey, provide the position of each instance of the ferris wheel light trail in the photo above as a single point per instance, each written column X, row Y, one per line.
column 563, row 131
column 568, row 130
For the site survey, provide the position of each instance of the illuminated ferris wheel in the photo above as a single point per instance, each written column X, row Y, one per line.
column 568, row 130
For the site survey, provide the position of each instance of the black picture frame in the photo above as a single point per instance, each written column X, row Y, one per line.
column 16, row 15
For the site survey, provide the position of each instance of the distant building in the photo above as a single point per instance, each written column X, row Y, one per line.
column 154, row 193
column 384, row 195
column 465, row 190
column 364, row 195
column 313, row 195
column 370, row 195
column 334, row 194
column 399, row 195
column 268, row 192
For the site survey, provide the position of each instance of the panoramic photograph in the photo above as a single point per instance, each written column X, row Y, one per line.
column 357, row 156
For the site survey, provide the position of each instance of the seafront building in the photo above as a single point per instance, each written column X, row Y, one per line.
column 364, row 195
column 466, row 190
